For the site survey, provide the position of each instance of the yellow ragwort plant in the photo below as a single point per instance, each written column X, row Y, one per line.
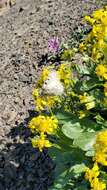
column 43, row 125
column 45, row 100
column 92, row 175
column 96, row 41
column 100, row 157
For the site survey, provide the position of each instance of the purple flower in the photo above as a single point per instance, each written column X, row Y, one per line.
column 53, row 45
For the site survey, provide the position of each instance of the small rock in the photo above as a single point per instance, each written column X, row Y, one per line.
column 12, row 115
column 9, row 172
column 1, row 186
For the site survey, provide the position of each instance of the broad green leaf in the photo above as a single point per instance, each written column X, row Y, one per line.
column 63, row 141
column 85, row 141
column 72, row 129
column 63, row 117
column 62, row 161
column 61, row 182
column 66, row 164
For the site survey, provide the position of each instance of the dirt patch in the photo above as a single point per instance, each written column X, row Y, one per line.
column 24, row 31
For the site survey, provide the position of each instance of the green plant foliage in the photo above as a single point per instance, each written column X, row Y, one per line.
column 72, row 129
column 85, row 141
column 68, row 165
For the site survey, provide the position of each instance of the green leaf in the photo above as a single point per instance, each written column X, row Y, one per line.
column 72, row 129
column 89, row 125
column 105, row 39
column 62, row 160
column 66, row 164
column 63, row 116
column 85, row 141
column 82, row 187
column 79, row 168
column 82, row 69
column 61, row 182
column 63, row 141
column 90, row 153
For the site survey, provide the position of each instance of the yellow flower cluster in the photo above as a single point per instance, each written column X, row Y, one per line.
column 92, row 175
column 47, row 101
column 82, row 114
column 43, row 101
column 101, row 71
column 43, row 125
column 96, row 41
column 65, row 74
column 41, row 142
column 101, row 148
column 87, row 100
column 44, row 74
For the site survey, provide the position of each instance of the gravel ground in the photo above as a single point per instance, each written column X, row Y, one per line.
column 24, row 31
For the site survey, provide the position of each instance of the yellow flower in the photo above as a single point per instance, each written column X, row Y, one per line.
column 102, row 138
column 44, row 124
column 104, row 20
column 87, row 100
column 101, row 71
column 105, row 89
column 41, row 143
column 92, row 173
column 44, row 74
column 82, row 47
column 98, row 185
column 101, row 148
column 101, row 158
column 83, row 98
column 40, row 104
column 97, row 31
column 45, row 102
column 92, row 176
column 44, row 95
column 82, row 114
column 35, row 93
column 65, row 74
column 90, row 105
column 95, row 41
column 90, row 20
column 98, row 14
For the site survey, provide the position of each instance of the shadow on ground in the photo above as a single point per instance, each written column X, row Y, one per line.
column 21, row 166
